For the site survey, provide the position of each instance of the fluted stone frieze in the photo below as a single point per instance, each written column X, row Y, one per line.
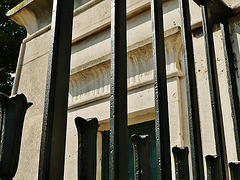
column 93, row 83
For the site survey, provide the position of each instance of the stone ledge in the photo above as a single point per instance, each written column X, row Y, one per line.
column 236, row 7
column 170, row 74
column 32, row 14
column 35, row 15
column 167, row 33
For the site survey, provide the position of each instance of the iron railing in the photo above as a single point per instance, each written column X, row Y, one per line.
column 51, row 165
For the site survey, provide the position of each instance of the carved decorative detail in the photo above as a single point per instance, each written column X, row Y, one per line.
column 213, row 170
column 235, row 169
column 12, row 113
column 141, row 149
column 87, row 139
column 94, row 83
column 180, row 155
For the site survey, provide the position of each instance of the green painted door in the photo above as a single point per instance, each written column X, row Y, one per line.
column 141, row 129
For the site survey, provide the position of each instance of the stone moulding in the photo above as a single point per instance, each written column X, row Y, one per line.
column 93, row 83
column 236, row 7
column 36, row 14
column 85, row 6
column 32, row 14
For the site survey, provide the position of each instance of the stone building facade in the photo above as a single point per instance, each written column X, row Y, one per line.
column 90, row 75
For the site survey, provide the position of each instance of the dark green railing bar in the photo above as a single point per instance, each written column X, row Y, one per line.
column 232, row 82
column 214, row 90
column 52, row 152
column 12, row 114
column 235, row 170
column 180, row 155
column 87, row 147
column 191, row 89
column 213, row 171
column 141, row 150
column 118, row 157
column 161, row 99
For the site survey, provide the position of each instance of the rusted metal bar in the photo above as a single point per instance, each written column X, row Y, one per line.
column 232, row 83
column 118, row 157
column 214, row 90
column 87, row 147
column 191, row 89
column 181, row 162
column 12, row 113
column 141, row 149
column 52, row 153
column 161, row 99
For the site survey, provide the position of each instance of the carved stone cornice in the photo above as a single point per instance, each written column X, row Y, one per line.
column 32, row 14
column 37, row 14
column 93, row 83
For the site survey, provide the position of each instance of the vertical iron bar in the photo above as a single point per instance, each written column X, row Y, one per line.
column 234, row 99
column 118, row 157
column 181, row 162
column 12, row 114
column 87, row 147
column 213, row 167
column 214, row 90
column 191, row 87
column 235, row 170
column 51, row 165
column 161, row 99
column 141, row 149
